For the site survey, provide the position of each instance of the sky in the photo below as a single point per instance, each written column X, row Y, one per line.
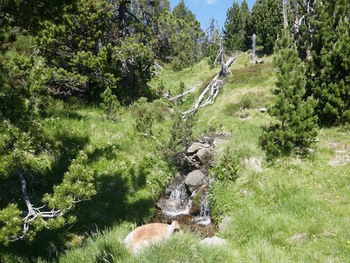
column 207, row 9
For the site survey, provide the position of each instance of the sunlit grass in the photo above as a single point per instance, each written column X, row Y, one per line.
column 295, row 210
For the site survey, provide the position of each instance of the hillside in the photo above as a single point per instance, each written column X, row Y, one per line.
column 294, row 209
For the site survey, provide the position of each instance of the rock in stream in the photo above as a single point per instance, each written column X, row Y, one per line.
column 185, row 199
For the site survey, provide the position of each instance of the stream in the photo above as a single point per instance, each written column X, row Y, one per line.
column 185, row 198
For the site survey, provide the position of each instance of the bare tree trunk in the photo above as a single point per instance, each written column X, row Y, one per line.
column 253, row 46
column 296, row 21
column 311, row 15
column 34, row 213
column 285, row 19
column 214, row 87
column 311, row 12
column 224, row 69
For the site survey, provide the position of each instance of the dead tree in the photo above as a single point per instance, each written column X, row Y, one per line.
column 253, row 47
column 33, row 212
column 175, row 98
column 224, row 69
column 254, row 61
column 296, row 21
column 38, row 213
column 212, row 90
column 285, row 19
column 308, row 10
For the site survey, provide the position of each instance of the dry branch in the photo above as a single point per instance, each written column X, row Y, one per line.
column 34, row 212
column 213, row 87
column 191, row 90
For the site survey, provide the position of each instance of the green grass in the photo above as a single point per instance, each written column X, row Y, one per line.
column 130, row 173
column 295, row 210
column 181, row 247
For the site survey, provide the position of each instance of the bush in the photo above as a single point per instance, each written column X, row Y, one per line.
column 110, row 104
column 181, row 136
column 227, row 168
column 146, row 114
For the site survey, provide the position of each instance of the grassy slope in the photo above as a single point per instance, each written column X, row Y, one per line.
column 295, row 210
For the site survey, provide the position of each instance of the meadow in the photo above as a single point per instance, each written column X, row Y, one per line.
column 294, row 209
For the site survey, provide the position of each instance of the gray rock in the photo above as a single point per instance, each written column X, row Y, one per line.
column 195, row 147
column 224, row 223
column 204, row 155
column 194, row 180
column 213, row 241
column 216, row 141
column 254, row 163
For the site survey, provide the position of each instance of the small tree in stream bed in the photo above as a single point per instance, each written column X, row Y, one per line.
column 297, row 126
column 181, row 137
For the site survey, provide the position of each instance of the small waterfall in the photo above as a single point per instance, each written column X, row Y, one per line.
column 179, row 193
column 178, row 202
column 185, row 199
column 204, row 215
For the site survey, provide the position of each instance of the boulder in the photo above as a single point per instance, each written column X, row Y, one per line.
column 254, row 163
column 213, row 241
column 216, row 141
column 204, row 155
column 194, row 180
column 195, row 147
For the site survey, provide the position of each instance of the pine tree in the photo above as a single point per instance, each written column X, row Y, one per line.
column 24, row 98
column 298, row 123
column 185, row 38
column 234, row 31
column 247, row 27
column 267, row 22
column 328, row 70
column 93, row 49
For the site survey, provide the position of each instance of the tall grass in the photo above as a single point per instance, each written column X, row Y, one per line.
column 295, row 210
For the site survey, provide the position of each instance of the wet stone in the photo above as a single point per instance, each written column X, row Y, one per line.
column 185, row 199
column 194, row 180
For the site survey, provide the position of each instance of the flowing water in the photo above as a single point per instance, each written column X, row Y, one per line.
column 191, row 209
column 180, row 205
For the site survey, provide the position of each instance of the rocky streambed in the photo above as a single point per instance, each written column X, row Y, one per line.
column 185, row 199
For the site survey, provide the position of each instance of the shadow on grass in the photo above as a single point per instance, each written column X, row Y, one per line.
column 108, row 152
column 45, row 242
column 108, row 207
column 116, row 200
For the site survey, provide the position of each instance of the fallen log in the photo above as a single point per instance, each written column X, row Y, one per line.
column 213, row 87
column 191, row 90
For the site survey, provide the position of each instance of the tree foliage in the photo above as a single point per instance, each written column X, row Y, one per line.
column 97, row 49
column 267, row 22
column 237, row 27
column 298, row 123
column 186, row 38
column 328, row 70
